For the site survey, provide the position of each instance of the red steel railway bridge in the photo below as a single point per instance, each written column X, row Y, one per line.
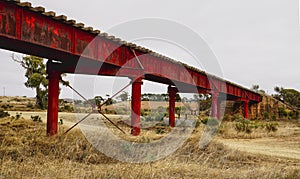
column 33, row 31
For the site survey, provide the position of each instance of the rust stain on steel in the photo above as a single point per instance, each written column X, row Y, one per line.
column 85, row 45
column 7, row 20
column 32, row 28
column 110, row 52
column 41, row 31
column 82, row 47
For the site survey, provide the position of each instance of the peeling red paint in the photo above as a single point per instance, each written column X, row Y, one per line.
column 59, row 37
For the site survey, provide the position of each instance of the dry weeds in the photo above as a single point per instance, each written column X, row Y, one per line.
column 26, row 152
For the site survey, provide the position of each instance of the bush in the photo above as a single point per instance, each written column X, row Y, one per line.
column 204, row 121
column 197, row 123
column 143, row 112
column 274, row 117
column 159, row 131
column 243, row 125
column 266, row 115
column 226, row 117
column 6, row 106
column 36, row 118
column 18, row 115
column 29, row 105
column 271, row 127
column 3, row 114
column 282, row 112
column 237, row 117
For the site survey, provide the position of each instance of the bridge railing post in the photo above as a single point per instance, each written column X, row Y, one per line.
column 172, row 99
column 136, row 107
column 53, row 97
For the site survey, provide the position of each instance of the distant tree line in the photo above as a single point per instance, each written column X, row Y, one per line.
column 288, row 96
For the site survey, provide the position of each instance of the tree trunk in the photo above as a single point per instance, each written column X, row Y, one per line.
column 39, row 101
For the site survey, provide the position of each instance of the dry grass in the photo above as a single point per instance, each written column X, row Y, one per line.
column 26, row 152
column 284, row 129
column 17, row 103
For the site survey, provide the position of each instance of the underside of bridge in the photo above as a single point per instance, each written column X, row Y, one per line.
column 73, row 48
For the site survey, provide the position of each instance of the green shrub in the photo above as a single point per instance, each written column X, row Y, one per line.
column 29, row 105
column 271, row 126
column 36, row 118
column 5, row 106
column 226, row 117
column 197, row 123
column 18, row 115
column 237, row 117
column 266, row 115
column 243, row 125
column 3, row 114
column 204, row 121
column 143, row 112
column 16, row 99
column 222, row 129
column 274, row 117
column 282, row 112
column 160, row 131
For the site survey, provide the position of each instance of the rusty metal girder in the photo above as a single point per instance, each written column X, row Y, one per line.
column 30, row 30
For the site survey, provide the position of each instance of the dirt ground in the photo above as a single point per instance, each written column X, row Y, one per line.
column 285, row 147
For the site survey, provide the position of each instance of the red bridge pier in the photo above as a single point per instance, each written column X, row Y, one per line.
column 53, row 97
column 215, row 105
column 246, row 109
column 136, row 107
column 172, row 99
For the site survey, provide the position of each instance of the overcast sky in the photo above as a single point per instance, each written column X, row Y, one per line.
column 255, row 41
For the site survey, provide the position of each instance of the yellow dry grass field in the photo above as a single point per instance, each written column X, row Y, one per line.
column 26, row 152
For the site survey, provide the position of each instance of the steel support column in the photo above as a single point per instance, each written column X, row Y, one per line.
column 219, row 108
column 246, row 109
column 215, row 106
column 172, row 99
column 53, row 95
column 136, row 107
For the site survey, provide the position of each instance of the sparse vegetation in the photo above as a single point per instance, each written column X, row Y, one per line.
column 18, row 115
column 271, row 126
column 289, row 96
column 25, row 146
column 36, row 118
column 26, row 152
column 3, row 113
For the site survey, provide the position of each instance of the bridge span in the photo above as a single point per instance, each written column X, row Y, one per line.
column 73, row 48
